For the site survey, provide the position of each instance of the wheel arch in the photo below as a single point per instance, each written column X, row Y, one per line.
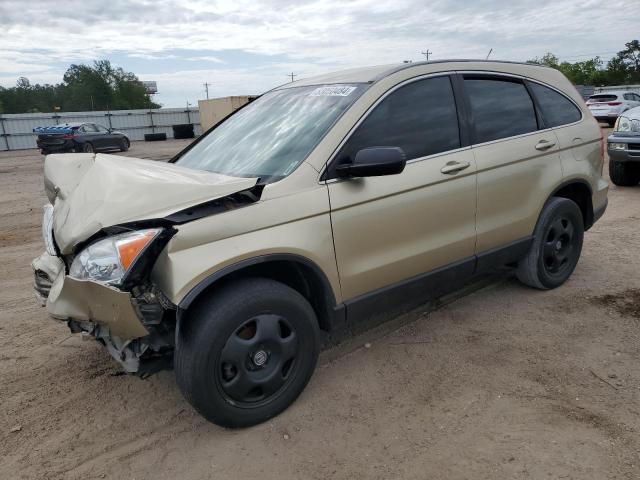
column 295, row 271
column 579, row 191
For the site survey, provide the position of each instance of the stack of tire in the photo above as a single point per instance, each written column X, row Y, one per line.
column 154, row 137
column 184, row 130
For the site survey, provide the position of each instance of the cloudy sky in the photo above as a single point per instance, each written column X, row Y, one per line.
column 248, row 46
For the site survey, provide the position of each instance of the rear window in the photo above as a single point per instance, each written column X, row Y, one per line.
column 500, row 108
column 602, row 98
column 556, row 109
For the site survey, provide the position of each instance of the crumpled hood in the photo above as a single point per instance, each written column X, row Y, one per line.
column 90, row 192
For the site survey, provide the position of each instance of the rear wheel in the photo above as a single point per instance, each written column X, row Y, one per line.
column 87, row 148
column 246, row 352
column 624, row 174
column 556, row 246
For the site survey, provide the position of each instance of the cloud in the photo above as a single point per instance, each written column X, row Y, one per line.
column 39, row 36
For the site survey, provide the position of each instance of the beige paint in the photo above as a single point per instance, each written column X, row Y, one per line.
column 297, row 223
column 85, row 300
column 385, row 229
column 215, row 110
column 114, row 190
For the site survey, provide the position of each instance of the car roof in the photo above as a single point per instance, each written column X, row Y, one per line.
column 375, row 73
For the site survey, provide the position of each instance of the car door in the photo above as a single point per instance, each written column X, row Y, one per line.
column 90, row 135
column 516, row 164
column 389, row 231
column 106, row 138
column 103, row 137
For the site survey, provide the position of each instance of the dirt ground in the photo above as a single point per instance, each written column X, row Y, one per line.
column 505, row 382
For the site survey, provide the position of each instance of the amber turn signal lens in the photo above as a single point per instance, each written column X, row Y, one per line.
column 129, row 248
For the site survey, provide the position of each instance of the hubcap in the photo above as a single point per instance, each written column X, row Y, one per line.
column 258, row 360
column 558, row 246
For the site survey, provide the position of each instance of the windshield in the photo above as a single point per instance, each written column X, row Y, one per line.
column 271, row 136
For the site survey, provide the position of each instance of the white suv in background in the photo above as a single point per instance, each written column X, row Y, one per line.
column 607, row 106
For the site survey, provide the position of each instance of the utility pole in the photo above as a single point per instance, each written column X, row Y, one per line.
column 206, row 89
column 490, row 50
column 291, row 75
column 427, row 53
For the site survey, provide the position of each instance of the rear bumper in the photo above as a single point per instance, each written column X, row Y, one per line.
column 56, row 145
column 85, row 301
column 599, row 212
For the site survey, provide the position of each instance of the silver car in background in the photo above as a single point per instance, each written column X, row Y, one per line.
column 607, row 106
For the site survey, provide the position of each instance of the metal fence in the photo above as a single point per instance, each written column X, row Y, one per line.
column 16, row 130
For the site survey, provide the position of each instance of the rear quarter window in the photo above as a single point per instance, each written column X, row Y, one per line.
column 556, row 109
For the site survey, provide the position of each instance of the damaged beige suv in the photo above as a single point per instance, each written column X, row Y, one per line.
column 323, row 203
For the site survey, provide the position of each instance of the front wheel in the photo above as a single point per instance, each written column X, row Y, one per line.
column 124, row 146
column 624, row 174
column 556, row 247
column 246, row 351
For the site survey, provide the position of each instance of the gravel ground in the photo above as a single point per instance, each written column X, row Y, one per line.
column 503, row 382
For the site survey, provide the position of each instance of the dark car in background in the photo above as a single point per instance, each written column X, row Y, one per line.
column 80, row 137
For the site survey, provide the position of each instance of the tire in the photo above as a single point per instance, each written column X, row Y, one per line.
column 624, row 174
column 183, row 131
column 556, row 246
column 154, row 137
column 245, row 352
column 124, row 146
column 87, row 148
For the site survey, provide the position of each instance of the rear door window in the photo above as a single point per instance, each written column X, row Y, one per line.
column 556, row 109
column 421, row 118
column 500, row 108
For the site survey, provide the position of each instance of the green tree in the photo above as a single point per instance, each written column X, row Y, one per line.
column 630, row 56
column 84, row 87
column 624, row 68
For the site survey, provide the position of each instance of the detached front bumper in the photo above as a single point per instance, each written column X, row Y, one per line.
column 85, row 301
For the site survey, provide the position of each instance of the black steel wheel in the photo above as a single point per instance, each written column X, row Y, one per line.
column 246, row 351
column 556, row 245
column 258, row 360
column 87, row 148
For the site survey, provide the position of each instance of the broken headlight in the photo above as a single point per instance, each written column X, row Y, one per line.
column 110, row 259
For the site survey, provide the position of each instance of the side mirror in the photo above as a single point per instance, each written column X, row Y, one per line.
column 374, row 162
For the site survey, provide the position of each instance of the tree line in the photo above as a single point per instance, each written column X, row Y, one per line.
column 100, row 86
column 622, row 69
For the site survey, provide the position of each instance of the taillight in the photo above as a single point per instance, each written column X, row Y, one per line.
column 68, row 136
column 613, row 104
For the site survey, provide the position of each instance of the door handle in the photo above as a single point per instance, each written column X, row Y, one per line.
column 544, row 145
column 454, row 167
